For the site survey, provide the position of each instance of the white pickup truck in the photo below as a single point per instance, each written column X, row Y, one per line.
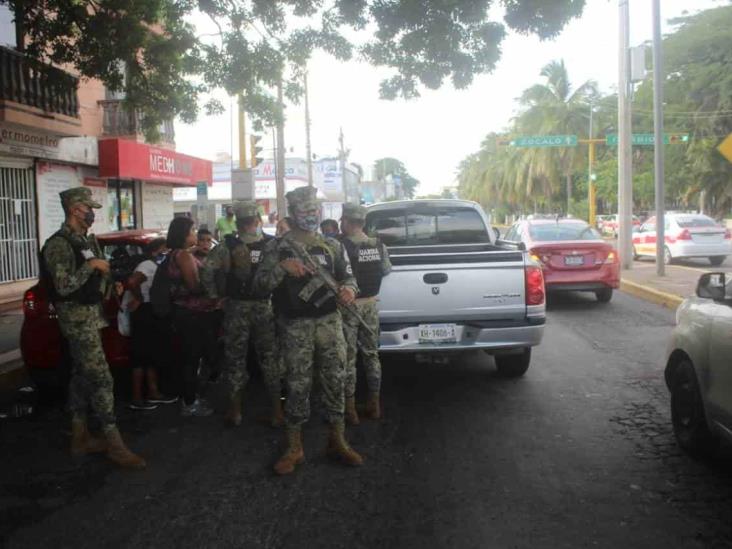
column 453, row 286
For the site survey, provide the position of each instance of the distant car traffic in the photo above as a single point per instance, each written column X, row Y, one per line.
column 43, row 349
column 572, row 254
column 610, row 225
column 698, row 369
column 686, row 236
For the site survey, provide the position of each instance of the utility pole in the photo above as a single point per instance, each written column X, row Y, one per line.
column 280, row 154
column 308, row 150
column 242, row 134
column 590, row 182
column 625, row 166
column 658, row 139
column 342, row 162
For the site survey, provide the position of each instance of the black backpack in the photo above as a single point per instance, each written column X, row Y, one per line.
column 162, row 289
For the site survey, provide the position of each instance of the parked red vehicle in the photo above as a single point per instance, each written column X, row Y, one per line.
column 43, row 349
column 572, row 254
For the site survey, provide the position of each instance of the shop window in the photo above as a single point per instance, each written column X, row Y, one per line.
column 121, row 205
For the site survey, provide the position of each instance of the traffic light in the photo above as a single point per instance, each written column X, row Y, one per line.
column 255, row 149
column 678, row 138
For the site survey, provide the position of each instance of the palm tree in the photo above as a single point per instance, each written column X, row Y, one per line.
column 553, row 108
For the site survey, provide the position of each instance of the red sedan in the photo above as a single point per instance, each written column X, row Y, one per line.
column 41, row 344
column 572, row 254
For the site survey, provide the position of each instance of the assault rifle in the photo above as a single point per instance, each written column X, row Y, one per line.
column 322, row 278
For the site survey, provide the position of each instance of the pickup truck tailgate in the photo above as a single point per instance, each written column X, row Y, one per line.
column 444, row 284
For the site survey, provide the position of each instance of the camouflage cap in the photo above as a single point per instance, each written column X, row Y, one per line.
column 245, row 208
column 302, row 198
column 77, row 195
column 355, row 212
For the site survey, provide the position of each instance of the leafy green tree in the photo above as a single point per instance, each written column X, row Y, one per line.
column 385, row 167
column 151, row 49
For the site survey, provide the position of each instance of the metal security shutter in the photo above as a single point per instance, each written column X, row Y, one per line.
column 18, row 232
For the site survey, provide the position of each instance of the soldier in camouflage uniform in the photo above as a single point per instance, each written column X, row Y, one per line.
column 310, row 325
column 231, row 268
column 370, row 263
column 77, row 278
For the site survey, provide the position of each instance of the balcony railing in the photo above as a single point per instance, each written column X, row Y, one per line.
column 30, row 82
column 120, row 121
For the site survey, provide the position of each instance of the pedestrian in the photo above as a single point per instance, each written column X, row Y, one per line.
column 190, row 309
column 231, row 268
column 370, row 262
column 283, row 227
column 204, row 243
column 77, row 279
column 329, row 228
column 310, row 325
column 225, row 225
column 150, row 334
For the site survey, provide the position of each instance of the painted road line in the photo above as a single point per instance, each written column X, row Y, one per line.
column 670, row 301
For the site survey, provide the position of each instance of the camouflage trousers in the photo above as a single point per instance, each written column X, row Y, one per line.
column 245, row 321
column 313, row 347
column 356, row 334
column 91, row 385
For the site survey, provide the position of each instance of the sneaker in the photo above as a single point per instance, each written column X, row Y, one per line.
column 198, row 409
column 142, row 405
column 162, row 399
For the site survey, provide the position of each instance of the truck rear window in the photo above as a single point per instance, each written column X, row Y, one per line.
column 410, row 227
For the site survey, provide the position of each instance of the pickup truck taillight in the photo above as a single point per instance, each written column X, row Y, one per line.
column 535, row 294
column 30, row 303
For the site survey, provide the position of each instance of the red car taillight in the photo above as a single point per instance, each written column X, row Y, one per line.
column 727, row 234
column 684, row 235
column 534, row 286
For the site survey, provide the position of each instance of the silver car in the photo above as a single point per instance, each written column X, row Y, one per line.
column 699, row 367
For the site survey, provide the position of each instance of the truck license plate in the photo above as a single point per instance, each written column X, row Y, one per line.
column 437, row 333
column 574, row 260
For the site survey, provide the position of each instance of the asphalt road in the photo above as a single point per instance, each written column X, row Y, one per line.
column 578, row 453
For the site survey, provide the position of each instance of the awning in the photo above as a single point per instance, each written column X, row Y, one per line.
column 125, row 159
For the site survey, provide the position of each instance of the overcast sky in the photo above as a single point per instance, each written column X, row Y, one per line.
column 432, row 134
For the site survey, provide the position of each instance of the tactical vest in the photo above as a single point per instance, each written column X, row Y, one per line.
column 366, row 261
column 89, row 294
column 288, row 296
column 243, row 289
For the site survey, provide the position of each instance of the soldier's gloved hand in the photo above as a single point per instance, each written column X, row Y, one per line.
column 346, row 295
column 295, row 267
column 99, row 265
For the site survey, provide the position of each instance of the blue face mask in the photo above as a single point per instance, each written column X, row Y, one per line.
column 258, row 232
column 159, row 258
column 307, row 222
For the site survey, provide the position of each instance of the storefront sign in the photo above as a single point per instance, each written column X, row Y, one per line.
column 123, row 159
column 24, row 142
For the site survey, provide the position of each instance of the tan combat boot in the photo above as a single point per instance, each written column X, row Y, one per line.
column 120, row 454
column 233, row 416
column 373, row 407
column 82, row 443
column 278, row 414
column 351, row 414
column 294, row 454
column 339, row 449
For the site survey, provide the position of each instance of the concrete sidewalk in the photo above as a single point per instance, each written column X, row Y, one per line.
column 670, row 290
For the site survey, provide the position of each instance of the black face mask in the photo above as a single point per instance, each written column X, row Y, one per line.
column 89, row 218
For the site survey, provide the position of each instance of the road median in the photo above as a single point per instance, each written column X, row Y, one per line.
column 642, row 291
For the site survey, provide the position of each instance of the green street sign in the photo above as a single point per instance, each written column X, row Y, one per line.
column 545, row 141
column 648, row 139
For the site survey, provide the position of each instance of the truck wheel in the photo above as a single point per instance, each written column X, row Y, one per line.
column 604, row 295
column 717, row 260
column 687, row 413
column 513, row 365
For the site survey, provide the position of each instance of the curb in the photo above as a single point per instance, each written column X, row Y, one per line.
column 670, row 301
column 12, row 374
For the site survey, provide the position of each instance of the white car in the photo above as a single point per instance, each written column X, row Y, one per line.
column 686, row 235
column 699, row 370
